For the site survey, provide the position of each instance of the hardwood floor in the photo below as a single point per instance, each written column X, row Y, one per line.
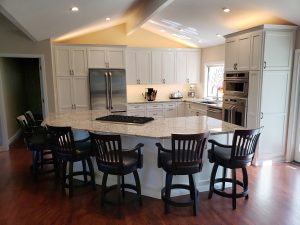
column 274, row 199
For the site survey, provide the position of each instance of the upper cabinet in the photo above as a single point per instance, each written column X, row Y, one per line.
column 267, row 47
column 138, row 66
column 237, row 53
column 188, row 67
column 70, row 60
column 163, row 67
column 278, row 50
column 106, row 57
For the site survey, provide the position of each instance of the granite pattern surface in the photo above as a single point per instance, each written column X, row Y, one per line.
column 159, row 128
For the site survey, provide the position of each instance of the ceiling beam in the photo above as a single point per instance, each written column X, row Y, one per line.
column 142, row 12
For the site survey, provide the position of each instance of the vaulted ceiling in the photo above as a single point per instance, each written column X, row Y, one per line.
column 193, row 22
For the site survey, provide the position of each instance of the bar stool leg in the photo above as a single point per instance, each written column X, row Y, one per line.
column 168, row 191
column 245, row 181
column 224, row 176
column 119, row 213
column 233, row 188
column 123, row 187
column 103, row 188
column 84, row 170
column 70, row 176
column 138, row 186
column 91, row 169
column 193, row 194
column 212, row 180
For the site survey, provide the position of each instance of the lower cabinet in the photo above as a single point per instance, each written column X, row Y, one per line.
column 72, row 93
column 196, row 109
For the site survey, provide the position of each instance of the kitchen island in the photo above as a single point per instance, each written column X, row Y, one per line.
column 158, row 130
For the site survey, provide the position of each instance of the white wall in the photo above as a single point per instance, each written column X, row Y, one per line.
column 211, row 55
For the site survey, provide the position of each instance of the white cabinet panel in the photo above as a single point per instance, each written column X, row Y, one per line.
column 168, row 62
column 181, row 68
column 193, row 67
column 170, row 112
column 81, row 93
column 278, row 50
column 64, row 89
column 96, row 57
column 230, row 54
column 256, row 50
column 253, row 114
column 243, row 52
column 116, row 58
column 157, row 67
column 143, row 59
column 131, row 68
column 156, row 113
column 62, row 61
column 140, row 113
column 79, row 61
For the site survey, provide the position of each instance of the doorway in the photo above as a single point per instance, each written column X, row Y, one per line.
column 22, row 89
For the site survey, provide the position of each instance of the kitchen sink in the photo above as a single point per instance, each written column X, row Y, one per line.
column 209, row 102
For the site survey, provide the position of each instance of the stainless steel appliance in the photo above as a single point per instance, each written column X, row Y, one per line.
column 108, row 90
column 236, row 84
column 235, row 110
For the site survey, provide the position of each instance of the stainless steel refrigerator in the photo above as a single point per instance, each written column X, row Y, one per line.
column 108, row 90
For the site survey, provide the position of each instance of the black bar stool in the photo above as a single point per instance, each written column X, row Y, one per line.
column 67, row 151
column 239, row 155
column 185, row 158
column 113, row 160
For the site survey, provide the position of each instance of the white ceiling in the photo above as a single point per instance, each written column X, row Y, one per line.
column 194, row 22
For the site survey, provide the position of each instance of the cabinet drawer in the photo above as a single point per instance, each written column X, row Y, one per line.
column 136, row 107
column 154, row 106
column 140, row 113
column 155, row 113
column 170, row 105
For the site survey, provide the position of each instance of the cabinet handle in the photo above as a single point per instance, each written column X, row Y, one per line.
column 188, row 80
column 265, row 64
column 261, row 115
column 70, row 72
column 197, row 113
column 74, row 106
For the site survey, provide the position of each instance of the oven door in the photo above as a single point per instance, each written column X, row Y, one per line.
column 238, row 115
column 227, row 114
column 236, row 87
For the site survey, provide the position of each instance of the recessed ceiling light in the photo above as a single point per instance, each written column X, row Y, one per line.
column 162, row 31
column 107, row 19
column 74, row 9
column 227, row 10
column 219, row 35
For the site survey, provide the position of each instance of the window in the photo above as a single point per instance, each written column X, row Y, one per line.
column 215, row 76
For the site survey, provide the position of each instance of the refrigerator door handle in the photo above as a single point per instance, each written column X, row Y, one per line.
column 106, row 81
column 110, row 96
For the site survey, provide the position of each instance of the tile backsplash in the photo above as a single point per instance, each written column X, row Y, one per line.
column 134, row 92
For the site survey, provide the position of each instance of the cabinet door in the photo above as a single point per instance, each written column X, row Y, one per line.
column 143, row 59
column 274, row 116
column 62, row 61
column 278, row 50
column 243, row 52
column 78, row 61
column 171, row 112
column 181, row 68
column 254, row 93
column 131, row 67
column 230, row 54
column 64, row 93
column 96, row 57
column 193, row 67
column 256, row 50
column 156, row 69
column 168, row 64
column 81, row 99
column 140, row 113
column 116, row 58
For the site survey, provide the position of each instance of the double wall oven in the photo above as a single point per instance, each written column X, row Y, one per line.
column 235, row 97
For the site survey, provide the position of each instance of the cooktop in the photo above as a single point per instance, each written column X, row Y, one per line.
column 125, row 119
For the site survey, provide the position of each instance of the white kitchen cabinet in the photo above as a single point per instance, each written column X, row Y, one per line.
column 163, row 67
column 143, row 62
column 188, row 67
column 106, row 57
column 170, row 109
column 278, row 50
column 72, row 93
column 138, row 66
column 136, row 110
column 237, row 53
column 194, row 109
column 70, row 61
column 139, row 113
column 256, row 50
column 253, row 114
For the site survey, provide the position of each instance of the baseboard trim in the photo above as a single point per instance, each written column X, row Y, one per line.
column 14, row 137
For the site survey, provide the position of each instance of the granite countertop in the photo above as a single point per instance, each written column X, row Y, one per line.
column 159, row 128
column 191, row 100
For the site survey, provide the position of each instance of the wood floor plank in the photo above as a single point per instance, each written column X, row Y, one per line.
column 273, row 199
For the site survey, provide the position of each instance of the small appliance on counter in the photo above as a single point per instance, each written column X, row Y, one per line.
column 176, row 95
column 150, row 94
column 192, row 91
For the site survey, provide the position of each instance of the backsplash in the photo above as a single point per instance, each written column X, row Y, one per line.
column 134, row 92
